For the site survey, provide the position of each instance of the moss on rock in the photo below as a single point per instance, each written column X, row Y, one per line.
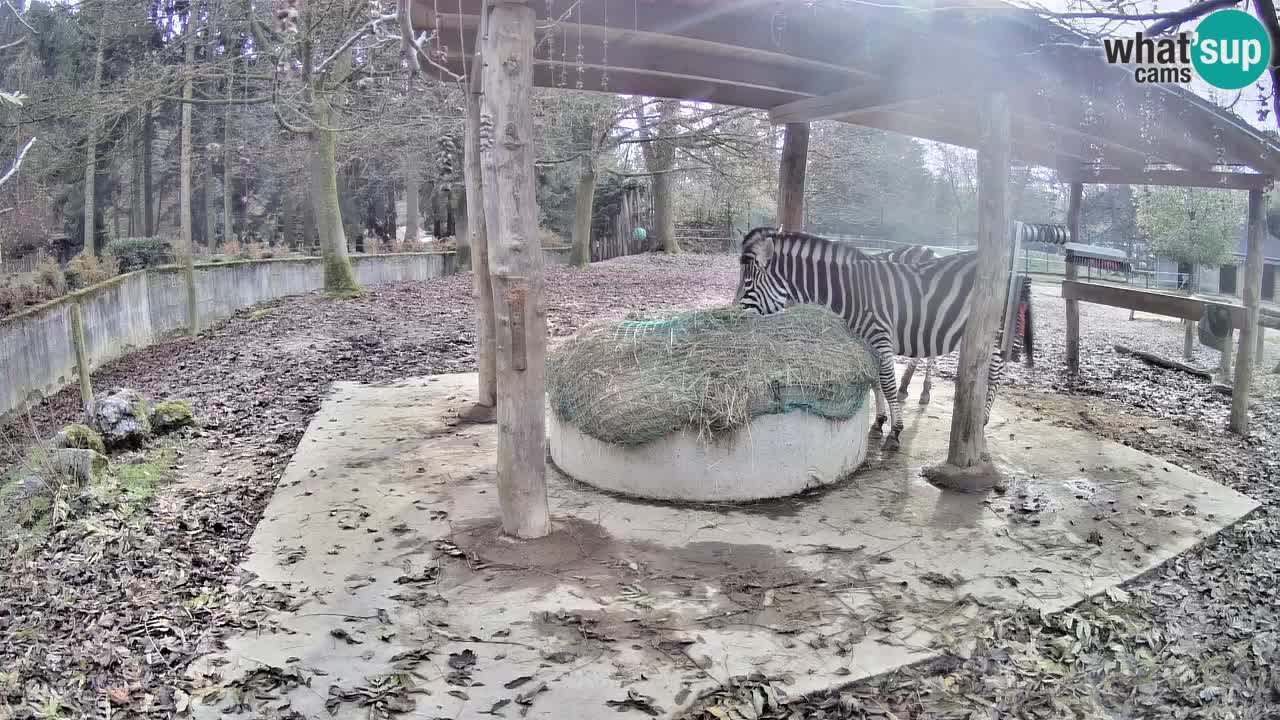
column 171, row 415
column 80, row 437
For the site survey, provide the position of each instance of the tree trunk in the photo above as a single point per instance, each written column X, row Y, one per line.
column 511, row 213
column 91, row 142
column 968, row 437
column 1247, row 355
column 228, row 169
column 338, row 274
column 210, row 215
column 288, row 221
column 185, row 221
column 411, row 213
column 148, row 210
column 791, row 174
column 580, row 255
column 477, row 239
column 659, row 154
column 137, row 212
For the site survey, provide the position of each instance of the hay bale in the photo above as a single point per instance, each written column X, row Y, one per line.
column 711, row 371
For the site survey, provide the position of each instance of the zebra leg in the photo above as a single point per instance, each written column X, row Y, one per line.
column 877, row 428
column 994, row 374
column 928, row 382
column 903, row 386
column 888, row 385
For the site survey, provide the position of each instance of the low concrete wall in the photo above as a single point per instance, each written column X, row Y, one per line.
column 138, row 309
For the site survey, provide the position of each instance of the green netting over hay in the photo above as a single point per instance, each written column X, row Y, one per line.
column 631, row 381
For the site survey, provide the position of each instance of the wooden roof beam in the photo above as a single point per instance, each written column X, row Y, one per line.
column 1169, row 178
column 744, row 29
column 927, row 128
column 879, row 96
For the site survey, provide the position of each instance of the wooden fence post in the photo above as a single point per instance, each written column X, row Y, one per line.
column 1071, row 273
column 967, row 468
column 82, row 360
column 515, row 258
column 484, row 410
column 1253, row 310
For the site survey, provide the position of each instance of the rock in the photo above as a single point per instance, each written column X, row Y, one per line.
column 84, row 466
column 28, row 487
column 122, row 418
column 171, row 415
column 80, row 437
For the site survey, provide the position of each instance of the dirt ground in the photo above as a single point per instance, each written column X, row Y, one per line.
column 109, row 613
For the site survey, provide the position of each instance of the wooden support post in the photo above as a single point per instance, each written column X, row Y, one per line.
column 791, row 172
column 515, row 260
column 1224, row 358
column 968, row 467
column 485, row 408
column 1252, row 303
column 1012, row 295
column 1073, row 306
column 82, row 361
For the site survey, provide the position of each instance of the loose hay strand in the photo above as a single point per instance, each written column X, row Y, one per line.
column 711, row 371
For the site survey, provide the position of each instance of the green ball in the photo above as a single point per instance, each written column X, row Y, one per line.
column 639, row 233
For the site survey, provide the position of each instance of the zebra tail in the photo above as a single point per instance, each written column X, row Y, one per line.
column 1028, row 326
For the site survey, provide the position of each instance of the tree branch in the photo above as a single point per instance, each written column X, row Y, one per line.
column 1191, row 12
column 404, row 11
column 369, row 28
column 1267, row 14
column 17, row 163
column 21, row 19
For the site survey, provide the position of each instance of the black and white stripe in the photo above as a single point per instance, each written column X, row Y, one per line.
column 915, row 310
column 910, row 255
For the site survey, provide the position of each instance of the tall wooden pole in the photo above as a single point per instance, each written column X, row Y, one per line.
column 485, row 408
column 968, row 439
column 791, row 172
column 1252, row 299
column 515, row 258
column 1073, row 306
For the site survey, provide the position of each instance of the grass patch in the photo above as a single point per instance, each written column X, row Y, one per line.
column 125, row 491
column 346, row 294
column 139, row 480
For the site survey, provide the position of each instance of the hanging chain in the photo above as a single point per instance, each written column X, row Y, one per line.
column 604, row 53
column 580, row 66
column 551, row 36
column 564, row 60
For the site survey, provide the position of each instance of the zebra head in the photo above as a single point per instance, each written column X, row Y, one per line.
column 759, row 290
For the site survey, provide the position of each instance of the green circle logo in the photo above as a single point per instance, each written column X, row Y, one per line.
column 1231, row 49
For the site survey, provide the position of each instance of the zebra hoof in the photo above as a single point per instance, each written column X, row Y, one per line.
column 924, row 399
column 891, row 442
column 902, row 396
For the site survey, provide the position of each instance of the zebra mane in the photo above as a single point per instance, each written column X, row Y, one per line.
column 852, row 252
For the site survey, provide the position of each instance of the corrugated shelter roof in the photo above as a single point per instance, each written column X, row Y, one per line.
column 918, row 68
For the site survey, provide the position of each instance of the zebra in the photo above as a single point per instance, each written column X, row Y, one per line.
column 910, row 255
column 900, row 309
column 918, row 255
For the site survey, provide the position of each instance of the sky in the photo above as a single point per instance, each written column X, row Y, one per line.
column 1246, row 108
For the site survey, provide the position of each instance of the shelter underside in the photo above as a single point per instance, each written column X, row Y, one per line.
column 917, row 70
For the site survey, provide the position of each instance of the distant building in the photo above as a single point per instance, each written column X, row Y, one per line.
column 1229, row 279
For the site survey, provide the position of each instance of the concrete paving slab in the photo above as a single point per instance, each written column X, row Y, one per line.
column 385, row 528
